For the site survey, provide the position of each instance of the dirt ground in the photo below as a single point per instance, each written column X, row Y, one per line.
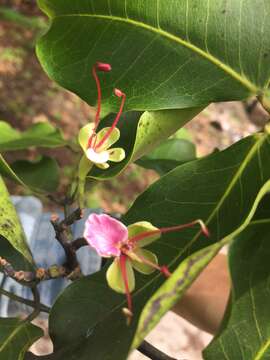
column 28, row 96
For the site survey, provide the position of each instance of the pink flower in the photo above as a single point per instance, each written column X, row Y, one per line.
column 111, row 238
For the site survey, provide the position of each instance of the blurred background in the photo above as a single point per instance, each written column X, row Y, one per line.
column 27, row 96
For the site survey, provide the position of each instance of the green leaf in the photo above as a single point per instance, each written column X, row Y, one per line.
column 175, row 54
column 6, row 170
column 41, row 175
column 168, row 155
column 220, row 189
column 10, row 226
column 40, row 135
column 246, row 334
column 141, row 133
column 16, row 337
column 171, row 291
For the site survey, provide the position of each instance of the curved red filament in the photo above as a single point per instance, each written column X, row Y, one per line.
column 118, row 93
column 123, row 261
column 146, row 234
column 104, row 68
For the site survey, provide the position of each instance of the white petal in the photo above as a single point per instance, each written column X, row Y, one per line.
column 97, row 157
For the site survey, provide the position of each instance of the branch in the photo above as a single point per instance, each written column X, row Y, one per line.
column 36, row 302
column 21, row 300
column 32, row 278
column 78, row 243
column 26, row 278
column 153, row 353
column 61, row 235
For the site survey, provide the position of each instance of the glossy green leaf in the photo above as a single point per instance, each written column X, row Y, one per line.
column 39, row 134
column 168, row 155
column 41, row 175
column 10, row 226
column 141, row 133
column 6, row 170
column 220, row 189
column 246, row 333
column 171, row 291
column 164, row 54
column 16, row 337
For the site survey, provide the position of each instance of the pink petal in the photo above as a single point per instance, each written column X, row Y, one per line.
column 105, row 234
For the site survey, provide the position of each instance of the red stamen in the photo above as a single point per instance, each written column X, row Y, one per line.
column 163, row 269
column 122, row 95
column 164, row 230
column 104, row 68
column 123, row 261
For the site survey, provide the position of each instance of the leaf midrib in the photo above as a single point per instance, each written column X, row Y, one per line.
column 226, row 68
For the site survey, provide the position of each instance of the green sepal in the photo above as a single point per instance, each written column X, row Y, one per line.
column 140, row 227
column 103, row 166
column 115, row 278
column 142, row 267
column 84, row 134
column 112, row 139
column 116, row 154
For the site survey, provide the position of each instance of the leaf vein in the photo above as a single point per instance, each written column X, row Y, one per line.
column 239, row 77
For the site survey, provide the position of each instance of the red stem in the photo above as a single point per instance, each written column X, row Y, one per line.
column 105, row 137
column 170, row 229
column 123, row 261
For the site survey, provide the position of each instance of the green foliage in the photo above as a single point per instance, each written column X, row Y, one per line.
column 220, row 200
column 39, row 134
column 170, row 154
column 10, row 227
column 141, row 133
column 171, row 58
column 173, row 289
column 41, row 175
column 164, row 54
column 16, row 337
column 20, row 19
column 246, row 332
